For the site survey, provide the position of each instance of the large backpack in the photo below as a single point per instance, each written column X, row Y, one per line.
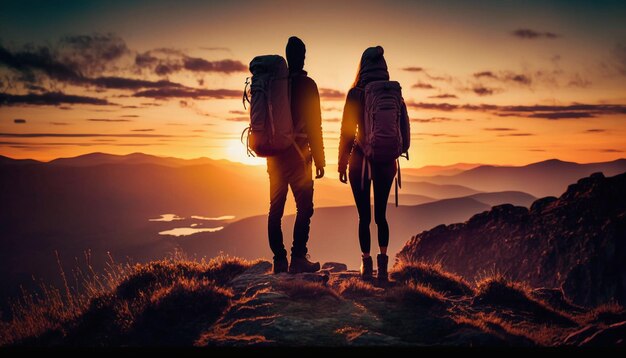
column 271, row 126
column 386, row 132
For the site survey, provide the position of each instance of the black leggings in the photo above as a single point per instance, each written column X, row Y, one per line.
column 382, row 175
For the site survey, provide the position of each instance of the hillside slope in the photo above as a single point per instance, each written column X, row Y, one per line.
column 577, row 242
column 230, row 302
column 334, row 234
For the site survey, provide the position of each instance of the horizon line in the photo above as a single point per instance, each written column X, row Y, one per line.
column 255, row 165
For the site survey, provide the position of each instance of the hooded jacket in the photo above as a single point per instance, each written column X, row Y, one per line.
column 305, row 103
column 373, row 67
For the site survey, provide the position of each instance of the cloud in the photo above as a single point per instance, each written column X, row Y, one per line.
column 19, row 121
column 97, row 60
column 578, row 81
column 413, row 69
column 436, row 134
column 611, row 151
column 92, row 53
column 215, row 48
column 447, row 107
column 427, row 74
column 45, row 61
column 143, row 130
column 86, row 135
column 483, row 91
column 515, row 135
column 59, row 123
column 40, row 59
column 433, row 120
column 331, row 94
column 506, row 76
column 606, row 108
column 595, row 130
column 49, row 99
column 107, row 120
column 528, row 34
column 239, row 112
column 561, row 115
column 487, row 74
column 500, row 129
column 521, row 79
column 577, row 110
column 423, row 85
column 196, row 64
column 191, row 93
column 165, row 61
column 130, row 116
column 130, row 83
column 332, row 120
column 444, row 96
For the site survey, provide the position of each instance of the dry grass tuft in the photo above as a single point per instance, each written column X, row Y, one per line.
column 177, row 314
column 108, row 305
column 434, row 276
column 355, row 288
column 417, row 296
column 500, row 292
column 494, row 325
column 607, row 313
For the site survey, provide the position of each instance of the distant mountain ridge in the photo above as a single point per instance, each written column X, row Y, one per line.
column 577, row 242
column 545, row 178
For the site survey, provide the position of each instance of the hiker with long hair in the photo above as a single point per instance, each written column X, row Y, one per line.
column 374, row 133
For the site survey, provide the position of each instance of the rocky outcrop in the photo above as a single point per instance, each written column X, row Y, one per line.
column 576, row 242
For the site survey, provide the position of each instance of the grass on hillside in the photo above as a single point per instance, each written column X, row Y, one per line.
column 172, row 301
column 121, row 305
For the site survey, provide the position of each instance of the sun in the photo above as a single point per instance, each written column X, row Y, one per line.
column 236, row 152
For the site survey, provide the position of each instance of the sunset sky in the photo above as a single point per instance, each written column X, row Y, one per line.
column 497, row 82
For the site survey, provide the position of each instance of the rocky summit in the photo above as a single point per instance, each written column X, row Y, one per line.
column 231, row 302
column 576, row 242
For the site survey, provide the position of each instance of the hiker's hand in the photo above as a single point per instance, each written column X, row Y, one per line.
column 319, row 172
column 343, row 177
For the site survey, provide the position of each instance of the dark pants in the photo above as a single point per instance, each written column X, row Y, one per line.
column 289, row 169
column 382, row 176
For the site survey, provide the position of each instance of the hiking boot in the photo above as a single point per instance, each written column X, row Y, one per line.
column 383, row 260
column 300, row 264
column 367, row 268
column 280, row 265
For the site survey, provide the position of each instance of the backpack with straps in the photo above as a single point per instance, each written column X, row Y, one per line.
column 386, row 132
column 271, row 126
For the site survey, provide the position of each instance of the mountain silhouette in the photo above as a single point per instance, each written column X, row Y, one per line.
column 546, row 178
column 430, row 170
column 102, row 203
column 574, row 242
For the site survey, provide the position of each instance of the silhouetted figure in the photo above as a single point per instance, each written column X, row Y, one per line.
column 371, row 146
column 293, row 167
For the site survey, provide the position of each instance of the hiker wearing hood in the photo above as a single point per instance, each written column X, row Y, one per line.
column 293, row 167
column 377, row 168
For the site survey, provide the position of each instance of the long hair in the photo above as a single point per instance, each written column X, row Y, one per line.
column 358, row 75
